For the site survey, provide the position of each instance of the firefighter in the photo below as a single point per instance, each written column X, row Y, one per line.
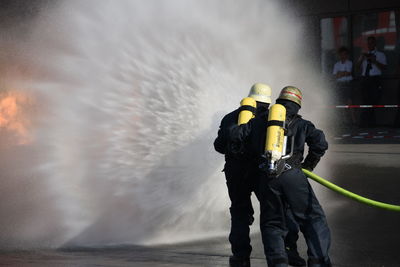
column 243, row 176
column 293, row 184
column 238, row 171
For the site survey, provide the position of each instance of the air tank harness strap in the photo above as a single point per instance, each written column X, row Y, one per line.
column 249, row 108
column 280, row 124
column 276, row 123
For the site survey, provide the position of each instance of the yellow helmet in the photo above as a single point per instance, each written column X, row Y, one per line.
column 291, row 93
column 261, row 93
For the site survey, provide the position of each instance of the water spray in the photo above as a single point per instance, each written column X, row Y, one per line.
column 125, row 125
column 349, row 194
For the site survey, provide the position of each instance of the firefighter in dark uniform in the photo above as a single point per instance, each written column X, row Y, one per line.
column 292, row 187
column 293, row 184
column 238, row 170
column 243, row 177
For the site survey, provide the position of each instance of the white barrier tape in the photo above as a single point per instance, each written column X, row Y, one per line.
column 368, row 106
column 366, row 137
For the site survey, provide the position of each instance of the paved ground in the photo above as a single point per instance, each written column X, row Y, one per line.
column 362, row 236
column 381, row 135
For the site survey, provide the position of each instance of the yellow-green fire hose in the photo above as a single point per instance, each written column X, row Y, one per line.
column 349, row 194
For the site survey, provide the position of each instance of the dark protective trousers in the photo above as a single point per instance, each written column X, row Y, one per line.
column 272, row 221
column 240, row 186
column 293, row 230
column 241, row 182
column 299, row 195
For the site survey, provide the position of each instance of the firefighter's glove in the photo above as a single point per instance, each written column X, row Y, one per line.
column 310, row 162
column 237, row 137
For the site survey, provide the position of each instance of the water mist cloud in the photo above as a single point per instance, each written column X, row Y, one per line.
column 128, row 96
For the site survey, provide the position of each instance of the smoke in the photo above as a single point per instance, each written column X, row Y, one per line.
column 127, row 97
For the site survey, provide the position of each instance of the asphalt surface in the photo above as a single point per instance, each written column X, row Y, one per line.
column 367, row 136
column 362, row 236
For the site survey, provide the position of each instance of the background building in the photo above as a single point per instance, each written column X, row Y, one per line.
column 348, row 23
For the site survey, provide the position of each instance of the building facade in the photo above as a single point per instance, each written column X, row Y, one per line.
column 349, row 23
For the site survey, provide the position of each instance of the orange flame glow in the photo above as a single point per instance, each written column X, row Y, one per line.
column 12, row 118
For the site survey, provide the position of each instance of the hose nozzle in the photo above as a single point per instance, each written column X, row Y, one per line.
column 271, row 166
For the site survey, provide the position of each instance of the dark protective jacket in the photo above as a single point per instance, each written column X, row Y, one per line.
column 233, row 139
column 304, row 132
column 228, row 122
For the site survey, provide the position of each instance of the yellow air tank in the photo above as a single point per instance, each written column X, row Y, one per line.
column 275, row 144
column 247, row 110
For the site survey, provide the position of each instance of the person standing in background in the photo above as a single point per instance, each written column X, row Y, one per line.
column 343, row 68
column 342, row 71
column 371, row 64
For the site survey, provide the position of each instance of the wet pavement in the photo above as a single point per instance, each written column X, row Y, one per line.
column 381, row 135
column 362, row 236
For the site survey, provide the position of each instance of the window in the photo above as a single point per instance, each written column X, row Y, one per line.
column 382, row 25
column 334, row 34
